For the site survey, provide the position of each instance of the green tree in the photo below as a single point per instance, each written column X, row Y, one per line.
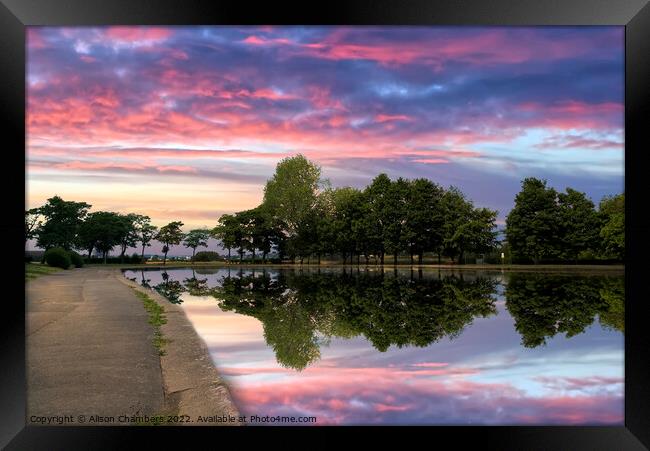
column 456, row 212
column 33, row 221
column 129, row 233
column 395, row 217
column 226, row 231
column 101, row 230
column 533, row 226
column 378, row 199
column 612, row 233
column 145, row 232
column 422, row 229
column 580, row 223
column 477, row 235
column 170, row 235
column 62, row 221
column 196, row 238
column 291, row 193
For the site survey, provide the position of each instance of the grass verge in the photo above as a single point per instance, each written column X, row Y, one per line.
column 156, row 319
column 34, row 270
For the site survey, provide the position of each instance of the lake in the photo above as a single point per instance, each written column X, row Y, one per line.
column 433, row 347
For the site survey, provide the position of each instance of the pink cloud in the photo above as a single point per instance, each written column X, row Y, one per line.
column 430, row 161
column 130, row 33
column 396, row 117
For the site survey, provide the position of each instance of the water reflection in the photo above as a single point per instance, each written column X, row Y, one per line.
column 301, row 311
column 544, row 305
column 429, row 347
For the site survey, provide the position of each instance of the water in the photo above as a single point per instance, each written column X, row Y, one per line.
column 408, row 347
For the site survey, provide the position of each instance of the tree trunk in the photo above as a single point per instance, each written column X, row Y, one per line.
column 420, row 257
column 319, row 258
column 395, row 258
column 358, row 259
column 142, row 256
column 381, row 258
column 193, row 253
column 90, row 253
column 264, row 257
column 412, row 258
column 165, row 259
column 105, row 254
column 228, row 255
column 438, row 257
column 367, row 259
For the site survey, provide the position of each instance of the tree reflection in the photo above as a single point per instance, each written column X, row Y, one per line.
column 544, row 305
column 301, row 311
column 170, row 289
column 196, row 287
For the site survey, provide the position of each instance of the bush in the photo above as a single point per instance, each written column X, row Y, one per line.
column 58, row 257
column 206, row 256
column 76, row 259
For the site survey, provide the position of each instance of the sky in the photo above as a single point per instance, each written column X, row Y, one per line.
column 188, row 123
column 483, row 376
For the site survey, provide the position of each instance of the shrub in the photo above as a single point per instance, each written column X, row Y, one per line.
column 206, row 256
column 135, row 258
column 58, row 257
column 76, row 259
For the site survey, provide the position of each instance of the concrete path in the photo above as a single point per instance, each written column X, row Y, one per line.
column 88, row 347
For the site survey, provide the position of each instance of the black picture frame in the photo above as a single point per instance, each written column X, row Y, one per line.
column 15, row 15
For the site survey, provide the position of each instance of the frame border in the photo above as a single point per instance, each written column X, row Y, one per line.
column 15, row 15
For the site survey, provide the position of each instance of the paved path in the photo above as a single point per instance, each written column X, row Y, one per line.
column 88, row 347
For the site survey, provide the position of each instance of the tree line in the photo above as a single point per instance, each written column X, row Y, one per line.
column 302, row 218
column 554, row 226
column 69, row 225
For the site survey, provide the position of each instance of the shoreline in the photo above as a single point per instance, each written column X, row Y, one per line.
column 386, row 267
column 192, row 383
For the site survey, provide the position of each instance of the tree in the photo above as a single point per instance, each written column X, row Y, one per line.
column 32, row 223
column 101, row 230
column 170, row 235
column 394, row 214
column 145, row 231
column 612, row 215
column 226, row 231
column 291, row 193
column 377, row 196
column 62, row 221
column 129, row 233
column 579, row 222
column 422, row 229
column 456, row 212
column 477, row 235
column 533, row 226
column 264, row 232
column 196, row 238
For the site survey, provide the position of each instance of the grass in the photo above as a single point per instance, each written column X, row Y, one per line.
column 34, row 270
column 156, row 319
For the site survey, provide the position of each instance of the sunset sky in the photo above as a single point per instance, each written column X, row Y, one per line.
column 187, row 123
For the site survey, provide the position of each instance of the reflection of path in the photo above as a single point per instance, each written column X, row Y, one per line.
column 88, row 352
